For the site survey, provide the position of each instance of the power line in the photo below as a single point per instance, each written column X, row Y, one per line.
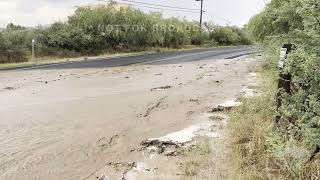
column 159, row 5
column 223, row 19
column 151, row 7
column 175, row 10
column 166, row 8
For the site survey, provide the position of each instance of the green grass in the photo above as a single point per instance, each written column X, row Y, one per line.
column 259, row 150
column 197, row 158
column 249, row 125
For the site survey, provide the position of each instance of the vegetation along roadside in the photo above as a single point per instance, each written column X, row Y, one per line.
column 111, row 28
column 262, row 150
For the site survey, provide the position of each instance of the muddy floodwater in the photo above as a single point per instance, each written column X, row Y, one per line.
column 85, row 123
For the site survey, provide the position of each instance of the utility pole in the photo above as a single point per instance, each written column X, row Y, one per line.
column 201, row 14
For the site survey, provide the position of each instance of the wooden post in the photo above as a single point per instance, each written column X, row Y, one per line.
column 284, row 82
column 33, row 52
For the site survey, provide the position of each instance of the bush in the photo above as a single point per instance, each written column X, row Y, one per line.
column 295, row 144
column 93, row 30
column 227, row 35
column 12, row 47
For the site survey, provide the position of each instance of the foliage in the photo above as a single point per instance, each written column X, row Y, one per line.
column 12, row 46
column 260, row 150
column 279, row 18
column 297, row 22
column 226, row 35
column 93, row 30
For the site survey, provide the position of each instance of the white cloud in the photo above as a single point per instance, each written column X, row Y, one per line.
column 35, row 12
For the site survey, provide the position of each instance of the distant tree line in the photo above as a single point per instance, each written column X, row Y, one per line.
column 93, row 30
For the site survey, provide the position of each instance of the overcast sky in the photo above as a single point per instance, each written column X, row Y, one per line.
column 35, row 12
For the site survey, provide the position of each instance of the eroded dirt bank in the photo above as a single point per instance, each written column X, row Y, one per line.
column 99, row 123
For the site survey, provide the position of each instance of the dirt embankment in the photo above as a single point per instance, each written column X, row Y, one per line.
column 136, row 122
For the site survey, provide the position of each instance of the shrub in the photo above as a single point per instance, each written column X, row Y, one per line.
column 93, row 30
column 227, row 35
column 295, row 144
column 12, row 47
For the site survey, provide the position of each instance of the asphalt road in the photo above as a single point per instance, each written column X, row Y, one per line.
column 154, row 59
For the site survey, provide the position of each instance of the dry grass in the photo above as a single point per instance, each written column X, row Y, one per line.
column 312, row 169
column 250, row 123
column 196, row 156
column 258, row 151
column 208, row 159
column 254, row 149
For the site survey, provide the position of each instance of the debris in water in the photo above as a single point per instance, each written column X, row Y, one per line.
column 118, row 165
column 230, row 103
column 104, row 177
column 171, row 152
column 9, row 88
column 161, row 88
column 132, row 172
column 202, row 66
column 216, row 117
column 189, row 113
column 252, row 74
column 159, row 146
column 157, row 105
column 194, row 100
column 104, row 143
column 226, row 106
column 249, row 92
column 174, row 143
column 159, row 74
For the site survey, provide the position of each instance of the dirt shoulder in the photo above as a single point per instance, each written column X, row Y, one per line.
column 117, row 122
